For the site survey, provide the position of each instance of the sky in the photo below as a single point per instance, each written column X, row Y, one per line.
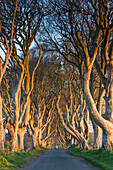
column 2, row 54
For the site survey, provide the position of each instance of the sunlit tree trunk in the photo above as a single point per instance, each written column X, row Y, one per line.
column 69, row 128
column 27, row 83
column 7, row 50
column 97, row 142
column 108, row 135
column 14, row 138
column 34, row 141
column 86, row 124
column 1, row 118
column 98, row 138
column 21, row 132
column 106, row 125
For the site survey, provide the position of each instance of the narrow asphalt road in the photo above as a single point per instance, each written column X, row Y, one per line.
column 57, row 160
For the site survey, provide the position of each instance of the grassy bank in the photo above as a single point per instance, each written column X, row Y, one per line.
column 101, row 158
column 8, row 161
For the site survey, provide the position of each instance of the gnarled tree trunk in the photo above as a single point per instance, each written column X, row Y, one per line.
column 81, row 140
column 97, row 143
column 14, row 138
column 1, row 118
column 21, row 133
column 106, row 125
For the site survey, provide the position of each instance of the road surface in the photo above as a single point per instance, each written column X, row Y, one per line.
column 57, row 159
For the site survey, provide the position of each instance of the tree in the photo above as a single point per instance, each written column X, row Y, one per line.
column 28, row 20
column 7, row 12
column 89, row 32
column 38, row 123
column 16, row 104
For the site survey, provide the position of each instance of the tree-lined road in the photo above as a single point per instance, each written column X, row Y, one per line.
column 57, row 160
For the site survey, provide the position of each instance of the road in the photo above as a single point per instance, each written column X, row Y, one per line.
column 57, row 160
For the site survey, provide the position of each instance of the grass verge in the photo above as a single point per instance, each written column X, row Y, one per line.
column 11, row 160
column 100, row 158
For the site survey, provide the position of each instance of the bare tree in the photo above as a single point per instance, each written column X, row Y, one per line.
column 79, row 42
column 6, row 46
column 16, row 105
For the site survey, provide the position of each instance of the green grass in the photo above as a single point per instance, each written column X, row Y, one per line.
column 100, row 158
column 11, row 160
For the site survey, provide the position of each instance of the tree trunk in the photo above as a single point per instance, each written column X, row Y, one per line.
column 73, row 132
column 40, row 137
column 106, row 125
column 1, row 127
column 21, row 132
column 44, row 144
column 34, row 142
column 1, row 118
column 107, row 138
column 21, row 142
column 40, row 130
column 26, row 62
column 14, row 137
column 34, row 138
column 97, row 142
column 72, row 140
column 14, row 142
column 97, row 137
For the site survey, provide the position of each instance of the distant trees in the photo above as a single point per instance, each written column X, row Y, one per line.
column 74, row 117
column 44, row 94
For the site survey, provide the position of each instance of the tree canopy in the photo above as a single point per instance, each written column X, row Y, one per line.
column 56, row 72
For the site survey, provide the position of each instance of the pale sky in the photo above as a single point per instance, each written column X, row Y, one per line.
column 2, row 54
